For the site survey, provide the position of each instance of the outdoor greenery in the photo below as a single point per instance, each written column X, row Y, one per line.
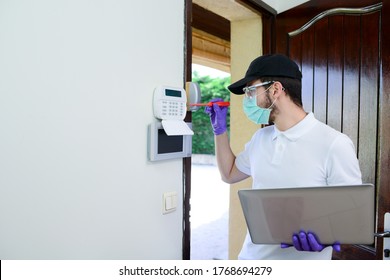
column 203, row 139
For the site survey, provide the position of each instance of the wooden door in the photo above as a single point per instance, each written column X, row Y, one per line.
column 342, row 48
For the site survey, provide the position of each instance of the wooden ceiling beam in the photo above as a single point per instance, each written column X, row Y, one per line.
column 210, row 50
column 210, row 22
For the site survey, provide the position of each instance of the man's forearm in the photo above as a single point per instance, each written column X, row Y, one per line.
column 226, row 160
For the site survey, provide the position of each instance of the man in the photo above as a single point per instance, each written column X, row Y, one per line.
column 297, row 151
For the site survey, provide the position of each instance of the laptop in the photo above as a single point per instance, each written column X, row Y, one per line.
column 334, row 213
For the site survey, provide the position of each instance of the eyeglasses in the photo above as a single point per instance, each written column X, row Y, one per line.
column 251, row 90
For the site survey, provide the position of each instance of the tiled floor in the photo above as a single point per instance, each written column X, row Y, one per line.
column 209, row 213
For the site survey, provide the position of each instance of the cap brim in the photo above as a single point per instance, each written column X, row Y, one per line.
column 237, row 87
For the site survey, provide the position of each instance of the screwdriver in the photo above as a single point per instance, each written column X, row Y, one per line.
column 209, row 104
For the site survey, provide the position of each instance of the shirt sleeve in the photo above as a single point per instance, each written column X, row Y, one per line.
column 342, row 164
column 243, row 161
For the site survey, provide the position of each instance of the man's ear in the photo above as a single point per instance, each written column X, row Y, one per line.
column 278, row 89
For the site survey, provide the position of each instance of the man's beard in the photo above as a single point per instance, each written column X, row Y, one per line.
column 274, row 108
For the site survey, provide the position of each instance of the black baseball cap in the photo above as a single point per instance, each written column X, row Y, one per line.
column 270, row 65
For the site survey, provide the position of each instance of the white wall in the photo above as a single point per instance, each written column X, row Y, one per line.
column 76, row 87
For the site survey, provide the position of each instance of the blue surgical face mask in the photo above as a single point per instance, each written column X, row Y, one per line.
column 255, row 113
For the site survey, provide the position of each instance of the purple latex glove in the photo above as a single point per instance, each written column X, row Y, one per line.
column 217, row 116
column 308, row 242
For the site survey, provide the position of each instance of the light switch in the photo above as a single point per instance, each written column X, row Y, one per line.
column 169, row 202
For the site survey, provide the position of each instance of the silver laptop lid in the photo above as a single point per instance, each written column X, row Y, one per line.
column 335, row 213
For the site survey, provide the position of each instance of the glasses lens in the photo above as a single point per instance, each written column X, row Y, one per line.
column 250, row 92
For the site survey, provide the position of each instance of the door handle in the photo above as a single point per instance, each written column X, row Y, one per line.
column 384, row 234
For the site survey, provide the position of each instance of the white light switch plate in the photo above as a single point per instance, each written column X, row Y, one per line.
column 169, row 203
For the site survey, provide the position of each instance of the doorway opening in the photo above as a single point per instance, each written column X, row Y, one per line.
column 210, row 46
column 209, row 194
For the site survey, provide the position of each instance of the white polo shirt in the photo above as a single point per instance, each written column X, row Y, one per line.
column 308, row 154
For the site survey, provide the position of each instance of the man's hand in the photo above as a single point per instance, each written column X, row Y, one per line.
column 308, row 242
column 217, row 116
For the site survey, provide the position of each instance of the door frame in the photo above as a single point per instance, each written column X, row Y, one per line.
column 187, row 162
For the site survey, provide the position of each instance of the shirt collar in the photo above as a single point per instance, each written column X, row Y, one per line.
column 295, row 132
